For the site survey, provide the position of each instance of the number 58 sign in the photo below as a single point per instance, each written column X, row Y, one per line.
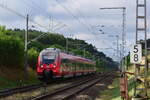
column 136, row 54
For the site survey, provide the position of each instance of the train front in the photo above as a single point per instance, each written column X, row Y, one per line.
column 47, row 64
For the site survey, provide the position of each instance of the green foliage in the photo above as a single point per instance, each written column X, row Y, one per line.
column 37, row 46
column 15, row 33
column 143, row 43
column 32, row 57
column 78, row 52
column 100, row 65
column 3, row 30
column 57, row 46
column 11, row 51
column 52, row 39
column 128, row 60
column 88, row 54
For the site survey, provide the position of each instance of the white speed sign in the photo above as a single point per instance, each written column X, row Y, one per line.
column 136, row 54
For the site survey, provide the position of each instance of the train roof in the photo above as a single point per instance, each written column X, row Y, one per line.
column 65, row 55
column 76, row 58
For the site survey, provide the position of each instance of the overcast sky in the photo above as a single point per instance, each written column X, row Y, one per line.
column 76, row 18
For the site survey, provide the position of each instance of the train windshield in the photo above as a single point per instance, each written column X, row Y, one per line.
column 48, row 57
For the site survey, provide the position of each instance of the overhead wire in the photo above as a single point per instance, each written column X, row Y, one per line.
column 74, row 16
column 55, row 27
column 42, row 10
column 83, row 17
column 51, row 18
column 20, row 15
column 29, row 5
column 77, row 18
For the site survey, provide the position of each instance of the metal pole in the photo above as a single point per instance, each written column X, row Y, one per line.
column 117, row 47
column 52, row 24
column 123, row 38
column 146, row 54
column 120, row 57
column 136, row 41
column 118, row 53
column 146, row 63
column 66, row 44
column 123, row 34
column 145, row 36
column 26, row 49
column 49, row 23
column 84, row 52
column 136, row 37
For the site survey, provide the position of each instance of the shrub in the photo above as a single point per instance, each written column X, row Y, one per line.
column 36, row 45
column 11, row 51
column 32, row 57
column 57, row 46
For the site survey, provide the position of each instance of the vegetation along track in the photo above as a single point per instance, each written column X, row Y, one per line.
column 70, row 90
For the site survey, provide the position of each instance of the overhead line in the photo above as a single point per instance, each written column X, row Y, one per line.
column 43, row 10
column 75, row 17
column 13, row 11
column 84, row 18
column 72, row 14
column 20, row 15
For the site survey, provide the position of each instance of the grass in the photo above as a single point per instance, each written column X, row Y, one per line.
column 112, row 93
column 14, row 77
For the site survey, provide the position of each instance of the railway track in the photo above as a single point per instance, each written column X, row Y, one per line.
column 7, row 92
column 94, row 92
column 68, row 91
column 24, row 91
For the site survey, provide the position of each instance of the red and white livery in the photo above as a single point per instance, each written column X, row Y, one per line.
column 55, row 63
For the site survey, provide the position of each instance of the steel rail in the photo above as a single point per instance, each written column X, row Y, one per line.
column 91, row 82
column 86, row 87
column 7, row 92
column 22, row 89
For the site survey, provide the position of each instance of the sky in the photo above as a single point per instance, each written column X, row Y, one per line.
column 80, row 19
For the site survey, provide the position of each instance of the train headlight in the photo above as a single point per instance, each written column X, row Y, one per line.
column 42, row 66
column 54, row 66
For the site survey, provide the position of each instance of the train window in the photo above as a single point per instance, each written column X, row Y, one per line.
column 48, row 61
column 48, row 57
column 64, row 60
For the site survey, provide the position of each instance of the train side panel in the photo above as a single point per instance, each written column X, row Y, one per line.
column 53, row 63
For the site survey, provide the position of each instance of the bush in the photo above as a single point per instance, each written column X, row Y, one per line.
column 57, row 46
column 52, row 39
column 2, row 29
column 11, row 51
column 32, row 57
column 36, row 45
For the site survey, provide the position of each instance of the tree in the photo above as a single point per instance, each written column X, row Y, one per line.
column 32, row 57
column 2, row 29
column 11, row 51
column 57, row 46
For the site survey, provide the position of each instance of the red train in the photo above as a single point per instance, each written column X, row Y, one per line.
column 55, row 63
